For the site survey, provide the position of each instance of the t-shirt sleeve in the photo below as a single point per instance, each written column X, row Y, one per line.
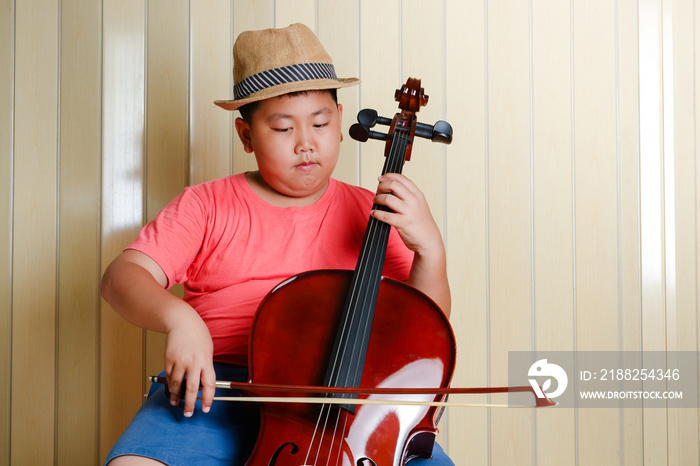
column 175, row 236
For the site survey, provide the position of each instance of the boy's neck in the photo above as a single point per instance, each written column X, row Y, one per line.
column 271, row 196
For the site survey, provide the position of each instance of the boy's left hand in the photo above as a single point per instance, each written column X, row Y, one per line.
column 411, row 215
column 415, row 224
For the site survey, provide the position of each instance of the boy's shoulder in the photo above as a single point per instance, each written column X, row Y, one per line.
column 225, row 184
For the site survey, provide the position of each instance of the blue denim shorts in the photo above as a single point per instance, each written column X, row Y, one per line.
column 224, row 436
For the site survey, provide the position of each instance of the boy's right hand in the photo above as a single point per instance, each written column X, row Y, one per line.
column 189, row 360
column 134, row 285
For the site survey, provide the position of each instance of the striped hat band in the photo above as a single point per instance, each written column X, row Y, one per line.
column 283, row 75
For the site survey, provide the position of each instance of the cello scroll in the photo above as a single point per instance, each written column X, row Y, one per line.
column 410, row 98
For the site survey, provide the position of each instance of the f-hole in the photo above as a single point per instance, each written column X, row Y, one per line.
column 366, row 462
column 293, row 450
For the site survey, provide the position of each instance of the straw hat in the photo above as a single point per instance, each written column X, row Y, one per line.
column 273, row 62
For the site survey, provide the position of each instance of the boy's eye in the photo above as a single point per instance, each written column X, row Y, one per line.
column 320, row 125
column 282, row 130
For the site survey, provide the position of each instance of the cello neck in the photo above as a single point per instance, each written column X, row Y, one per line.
column 352, row 339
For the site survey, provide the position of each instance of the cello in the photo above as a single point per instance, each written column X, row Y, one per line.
column 354, row 329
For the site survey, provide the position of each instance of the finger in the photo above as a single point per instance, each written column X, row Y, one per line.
column 174, row 379
column 387, row 186
column 208, row 388
column 395, row 182
column 191, row 390
column 383, row 216
column 399, row 191
column 389, row 200
column 394, row 177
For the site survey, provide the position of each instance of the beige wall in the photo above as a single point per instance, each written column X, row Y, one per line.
column 568, row 200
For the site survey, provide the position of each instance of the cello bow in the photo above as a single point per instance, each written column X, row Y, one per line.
column 545, row 402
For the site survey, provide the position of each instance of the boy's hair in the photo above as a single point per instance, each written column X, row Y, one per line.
column 248, row 110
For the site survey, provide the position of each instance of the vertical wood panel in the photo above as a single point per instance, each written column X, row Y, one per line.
column 683, row 423
column 79, row 269
column 467, row 435
column 553, row 211
column 340, row 39
column 651, row 173
column 210, row 80
column 596, row 231
column 509, row 218
column 34, row 232
column 651, row 115
column 123, row 106
column 167, row 128
column 630, row 319
column 295, row 11
column 247, row 15
column 7, row 19
column 168, row 101
column 422, row 57
column 380, row 74
column 696, row 171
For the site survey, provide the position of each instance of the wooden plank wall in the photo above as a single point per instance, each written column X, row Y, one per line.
column 568, row 200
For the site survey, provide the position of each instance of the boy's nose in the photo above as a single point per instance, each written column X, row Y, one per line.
column 304, row 142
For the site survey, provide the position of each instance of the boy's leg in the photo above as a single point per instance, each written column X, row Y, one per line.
column 161, row 433
column 133, row 461
column 439, row 458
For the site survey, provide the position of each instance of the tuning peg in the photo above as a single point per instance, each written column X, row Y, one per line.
column 368, row 118
column 439, row 132
column 442, row 132
column 361, row 133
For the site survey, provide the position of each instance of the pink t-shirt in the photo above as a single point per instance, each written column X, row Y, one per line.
column 230, row 248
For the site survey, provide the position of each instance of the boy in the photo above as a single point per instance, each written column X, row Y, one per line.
column 231, row 240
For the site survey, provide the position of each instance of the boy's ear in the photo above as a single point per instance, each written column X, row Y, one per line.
column 243, row 130
column 340, row 113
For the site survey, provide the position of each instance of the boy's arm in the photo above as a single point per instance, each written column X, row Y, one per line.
column 134, row 285
column 429, row 274
column 413, row 221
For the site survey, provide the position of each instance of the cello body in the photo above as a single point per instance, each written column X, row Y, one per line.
column 411, row 345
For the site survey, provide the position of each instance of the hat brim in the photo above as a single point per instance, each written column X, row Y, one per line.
column 281, row 89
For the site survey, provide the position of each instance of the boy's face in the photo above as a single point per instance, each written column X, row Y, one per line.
column 296, row 142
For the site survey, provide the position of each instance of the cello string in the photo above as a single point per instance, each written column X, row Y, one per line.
column 375, row 256
column 334, row 439
column 346, row 334
column 373, row 259
column 359, row 309
column 316, row 430
column 365, row 290
column 367, row 301
column 358, row 313
column 339, row 444
column 370, row 258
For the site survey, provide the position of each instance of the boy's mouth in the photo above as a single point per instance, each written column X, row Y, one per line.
column 306, row 166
